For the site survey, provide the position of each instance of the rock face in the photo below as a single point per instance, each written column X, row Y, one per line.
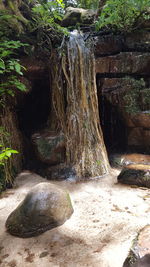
column 46, row 206
column 124, row 62
column 139, row 255
column 135, row 174
column 49, row 147
column 77, row 15
column 123, row 81
column 107, row 45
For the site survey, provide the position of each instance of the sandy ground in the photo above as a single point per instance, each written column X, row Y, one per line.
column 106, row 218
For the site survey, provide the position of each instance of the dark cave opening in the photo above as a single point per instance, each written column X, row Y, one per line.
column 33, row 112
column 113, row 127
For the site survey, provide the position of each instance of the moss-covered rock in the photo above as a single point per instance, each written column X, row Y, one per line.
column 74, row 16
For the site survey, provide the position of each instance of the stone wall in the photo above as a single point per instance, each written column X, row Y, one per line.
column 123, row 79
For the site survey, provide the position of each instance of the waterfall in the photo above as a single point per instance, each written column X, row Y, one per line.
column 78, row 111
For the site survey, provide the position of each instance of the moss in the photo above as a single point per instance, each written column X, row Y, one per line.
column 69, row 199
column 145, row 97
column 132, row 99
column 132, row 256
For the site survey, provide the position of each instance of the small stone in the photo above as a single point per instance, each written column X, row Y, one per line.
column 43, row 254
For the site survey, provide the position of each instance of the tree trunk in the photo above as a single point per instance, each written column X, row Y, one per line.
column 76, row 105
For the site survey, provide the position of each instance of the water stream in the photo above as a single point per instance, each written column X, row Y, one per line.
column 85, row 149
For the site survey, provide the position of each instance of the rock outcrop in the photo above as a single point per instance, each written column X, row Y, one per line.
column 135, row 174
column 123, row 79
column 75, row 16
column 46, row 206
column 139, row 255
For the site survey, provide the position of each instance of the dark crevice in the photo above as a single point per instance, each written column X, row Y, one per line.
column 33, row 114
column 34, row 111
column 98, row 56
column 122, row 75
column 112, row 124
column 113, row 127
column 122, row 51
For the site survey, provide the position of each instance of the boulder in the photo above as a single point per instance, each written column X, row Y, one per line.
column 77, row 15
column 46, row 206
column 139, row 255
column 135, row 174
column 49, row 147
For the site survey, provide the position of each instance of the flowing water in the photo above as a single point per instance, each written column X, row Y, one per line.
column 85, row 147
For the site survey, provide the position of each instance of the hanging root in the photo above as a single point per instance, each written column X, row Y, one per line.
column 76, row 106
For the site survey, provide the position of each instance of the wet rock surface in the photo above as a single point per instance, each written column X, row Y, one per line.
column 139, row 255
column 135, row 174
column 59, row 172
column 46, row 206
column 49, row 147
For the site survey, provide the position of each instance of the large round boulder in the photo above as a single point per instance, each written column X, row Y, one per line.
column 46, row 206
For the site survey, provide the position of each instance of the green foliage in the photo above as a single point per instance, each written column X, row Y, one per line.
column 10, row 69
column 10, row 72
column 123, row 15
column 10, row 24
column 145, row 99
column 45, row 25
column 5, row 154
column 5, row 22
column 131, row 99
column 6, row 176
column 48, row 15
column 88, row 4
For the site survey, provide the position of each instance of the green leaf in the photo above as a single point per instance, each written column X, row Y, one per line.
column 2, row 64
column 10, row 92
column 18, row 68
